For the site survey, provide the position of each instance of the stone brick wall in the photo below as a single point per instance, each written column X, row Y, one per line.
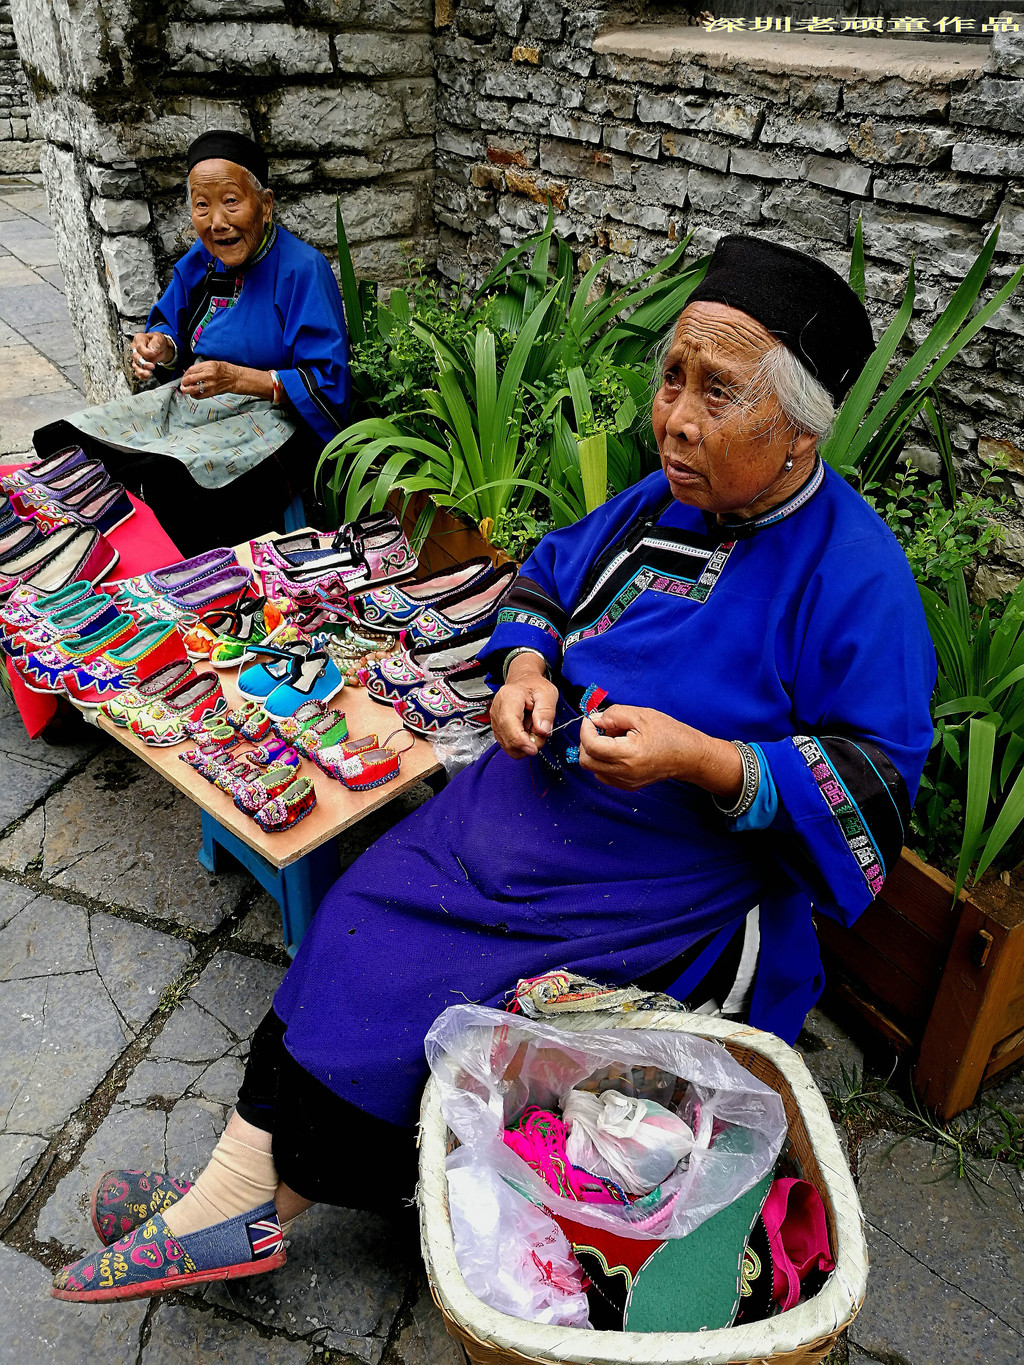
column 339, row 92
column 638, row 136
column 19, row 149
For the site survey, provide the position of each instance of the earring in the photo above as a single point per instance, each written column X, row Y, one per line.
column 788, row 465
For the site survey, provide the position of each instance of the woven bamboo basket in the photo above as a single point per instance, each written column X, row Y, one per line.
column 803, row 1336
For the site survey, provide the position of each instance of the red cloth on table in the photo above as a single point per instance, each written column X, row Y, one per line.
column 142, row 544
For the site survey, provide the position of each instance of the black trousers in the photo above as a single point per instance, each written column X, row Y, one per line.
column 198, row 518
column 324, row 1148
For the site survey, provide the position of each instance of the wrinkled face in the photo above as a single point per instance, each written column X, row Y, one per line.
column 228, row 213
column 717, row 455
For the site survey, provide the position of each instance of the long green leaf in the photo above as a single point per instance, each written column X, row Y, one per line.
column 980, row 754
column 1005, row 825
column 354, row 320
column 593, row 456
column 857, row 260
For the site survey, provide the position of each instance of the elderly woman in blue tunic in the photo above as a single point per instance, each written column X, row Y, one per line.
column 249, row 349
column 768, row 671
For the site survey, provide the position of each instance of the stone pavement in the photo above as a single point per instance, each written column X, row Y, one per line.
column 131, row 981
column 39, row 375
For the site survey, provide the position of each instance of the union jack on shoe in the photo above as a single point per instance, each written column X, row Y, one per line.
column 151, row 1260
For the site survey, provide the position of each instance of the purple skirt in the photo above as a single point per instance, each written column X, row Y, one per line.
column 514, row 869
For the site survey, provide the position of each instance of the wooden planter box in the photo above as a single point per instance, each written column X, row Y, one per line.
column 942, row 983
column 944, row 986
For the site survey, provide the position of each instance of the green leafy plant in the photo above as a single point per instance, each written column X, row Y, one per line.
column 940, row 541
column 871, row 427
column 978, row 710
column 528, row 402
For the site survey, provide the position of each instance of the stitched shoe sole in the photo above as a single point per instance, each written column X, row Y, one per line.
column 165, row 1282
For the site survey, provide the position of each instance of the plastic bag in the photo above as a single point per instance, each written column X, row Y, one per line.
column 635, row 1142
column 512, row 1255
column 489, row 1065
column 457, row 745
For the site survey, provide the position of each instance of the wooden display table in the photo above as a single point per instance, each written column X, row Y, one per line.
column 298, row 865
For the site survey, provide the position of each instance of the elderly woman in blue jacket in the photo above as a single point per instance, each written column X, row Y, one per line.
column 249, row 349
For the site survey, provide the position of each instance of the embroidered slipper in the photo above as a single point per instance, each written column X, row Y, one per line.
column 462, row 696
column 125, row 705
column 121, row 1200
column 372, row 767
column 283, row 811
column 394, row 677
column 273, row 753
column 329, row 757
column 289, row 727
column 151, row 1259
column 389, row 609
column 331, row 728
column 250, row 796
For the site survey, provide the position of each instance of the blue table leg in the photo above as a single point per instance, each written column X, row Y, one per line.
column 298, row 888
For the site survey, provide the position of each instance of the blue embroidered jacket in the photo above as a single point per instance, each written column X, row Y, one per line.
column 804, row 635
column 281, row 311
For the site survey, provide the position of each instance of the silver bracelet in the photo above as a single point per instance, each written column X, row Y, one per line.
column 751, row 782
column 514, row 654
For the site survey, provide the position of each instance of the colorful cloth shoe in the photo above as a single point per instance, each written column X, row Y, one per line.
column 250, row 796
column 50, row 468
column 119, row 668
column 391, row 609
column 39, row 492
column 330, row 757
column 463, row 697
column 151, row 1259
column 312, row 677
column 27, row 605
column 289, row 727
column 336, row 571
column 476, row 611
column 220, row 588
column 256, row 726
column 121, row 1200
column 256, row 624
column 298, row 548
column 331, row 728
column 394, row 677
column 90, row 612
column 104, row 508
column 226, row 771
column 215, row 738
column 70, row 554
column 273, row 754
column 371, row 768
column 124, row 705
column 163, row 722
column 158, row 582
column 44, row 670
column 283, row 811
column 270, row 667
column 242, row 621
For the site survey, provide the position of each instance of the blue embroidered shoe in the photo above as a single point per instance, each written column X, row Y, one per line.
column 151, row 1259
column 121, row 1200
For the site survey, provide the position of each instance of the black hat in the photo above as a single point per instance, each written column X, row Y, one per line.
column 219, row 144
column 800, row 300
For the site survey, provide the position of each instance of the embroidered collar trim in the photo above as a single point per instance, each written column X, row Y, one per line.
column 774, row 515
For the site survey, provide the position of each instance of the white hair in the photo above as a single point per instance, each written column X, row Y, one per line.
column 804, row 400
column 251, row 180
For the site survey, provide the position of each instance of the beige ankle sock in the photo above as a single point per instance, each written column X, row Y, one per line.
column 237, row 1179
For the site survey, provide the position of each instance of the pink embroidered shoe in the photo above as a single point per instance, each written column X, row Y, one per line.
column 163, row 722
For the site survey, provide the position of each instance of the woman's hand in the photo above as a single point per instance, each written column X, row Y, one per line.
column 523, row 711
column 640, row 746
column 208, row 378
column 150, row 349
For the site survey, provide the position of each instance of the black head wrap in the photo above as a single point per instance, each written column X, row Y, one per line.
column 801, row 301
column 221, row 145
